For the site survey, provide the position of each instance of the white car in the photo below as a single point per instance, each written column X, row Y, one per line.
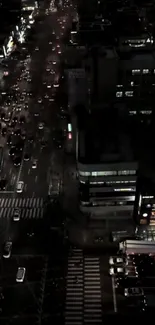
column 20, row 186
column 56, row 85
column 34, row 164
column 116, row 260
column 40, row 126
column 7, row 249
column 39, row 100
column 20, row 274
column 16, row 215
column 119, row 271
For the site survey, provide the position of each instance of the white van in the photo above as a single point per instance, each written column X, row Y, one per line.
column 20, row 274
column 20, row 186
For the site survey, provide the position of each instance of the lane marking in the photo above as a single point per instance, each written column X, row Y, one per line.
column 114, row 294
column 36, row 178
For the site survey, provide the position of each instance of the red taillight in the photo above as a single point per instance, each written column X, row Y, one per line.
column 69, row 136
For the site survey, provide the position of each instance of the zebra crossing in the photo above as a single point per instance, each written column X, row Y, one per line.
column 92, row 291
column 30, row 208
column 83, row 290
column 21, row 202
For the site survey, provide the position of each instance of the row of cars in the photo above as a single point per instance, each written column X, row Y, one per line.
column 129, row 274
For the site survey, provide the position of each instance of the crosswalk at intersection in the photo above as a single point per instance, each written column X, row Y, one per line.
column 30, row 208
column 83, row 290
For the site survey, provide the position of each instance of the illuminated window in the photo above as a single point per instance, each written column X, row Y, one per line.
column 126, row 172
column 125, row 189
column 145, row 71
column 81, row 173
column 132, row 112
column 135, row 71
column 146, row 112
column 129, row 93
column 119, row 93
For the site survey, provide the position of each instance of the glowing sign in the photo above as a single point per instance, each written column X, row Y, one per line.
column 69, row 127
column 70, row 136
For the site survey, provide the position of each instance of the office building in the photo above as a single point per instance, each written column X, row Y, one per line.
column 107, row 166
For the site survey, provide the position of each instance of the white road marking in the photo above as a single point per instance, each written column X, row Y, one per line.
column 36, row 178
column 10, row 171
column 114, row 294
column 29, row 171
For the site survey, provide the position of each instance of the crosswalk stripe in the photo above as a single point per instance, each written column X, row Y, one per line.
column 30, row 207
column 22, row 214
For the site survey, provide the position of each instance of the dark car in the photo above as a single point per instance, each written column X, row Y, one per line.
column 3, row 183
column 9, row 140
column 17, row 132
column 26, row 157
column 2, row 116
column 12, row 124
column 22, row 120
column 19, row 145
column 4, row 131
column 15, row 119
column 23, row 135
column 12, row 151
column 30, row 139
column 17, row 161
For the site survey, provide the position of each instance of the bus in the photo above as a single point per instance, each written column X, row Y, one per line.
column 1, row 158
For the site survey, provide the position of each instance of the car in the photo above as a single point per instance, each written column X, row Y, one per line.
column 30, row 139
column 17, row 132
column 15, row 119
column 16, row 214
column 2, row 116
column 34, row 164
column 22, row 120
column 23, row 135
column 9, row 139
column 20, row 274
column 18, row 108
column 133, row 292
column 4, row 131
column 19, row 187
column 39, row 100
column 116, row 260
column 17, row 161
column 12, row 151
column 40, row 126
column 26, row 157
column 7, row 249
column 36, row 114
column 119, row 271
column 3, row 183
column 19, row 145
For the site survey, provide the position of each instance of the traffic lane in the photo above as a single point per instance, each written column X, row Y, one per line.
column 30, row 237
column 10, row 172
column 21, row 298
column 35, row 180
column 4, row 227
column 107, row 285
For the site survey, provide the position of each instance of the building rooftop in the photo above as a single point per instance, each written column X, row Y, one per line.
column 106, row 138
